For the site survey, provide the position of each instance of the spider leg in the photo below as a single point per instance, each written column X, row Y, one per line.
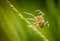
column 47, row 23
column 29, row 25
column 40, row 12
column 36, row 24
column 30, row 19
column 29, row 14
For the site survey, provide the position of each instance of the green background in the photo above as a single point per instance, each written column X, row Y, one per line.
column 14, row 28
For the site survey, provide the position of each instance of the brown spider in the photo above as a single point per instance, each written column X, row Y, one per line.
column 38, row 19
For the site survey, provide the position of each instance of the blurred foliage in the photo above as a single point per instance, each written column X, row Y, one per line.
column 14, row 28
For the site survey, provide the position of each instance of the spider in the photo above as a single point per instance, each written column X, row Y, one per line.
column 39, row 20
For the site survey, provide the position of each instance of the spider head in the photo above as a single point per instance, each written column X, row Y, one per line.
column 39, row 19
